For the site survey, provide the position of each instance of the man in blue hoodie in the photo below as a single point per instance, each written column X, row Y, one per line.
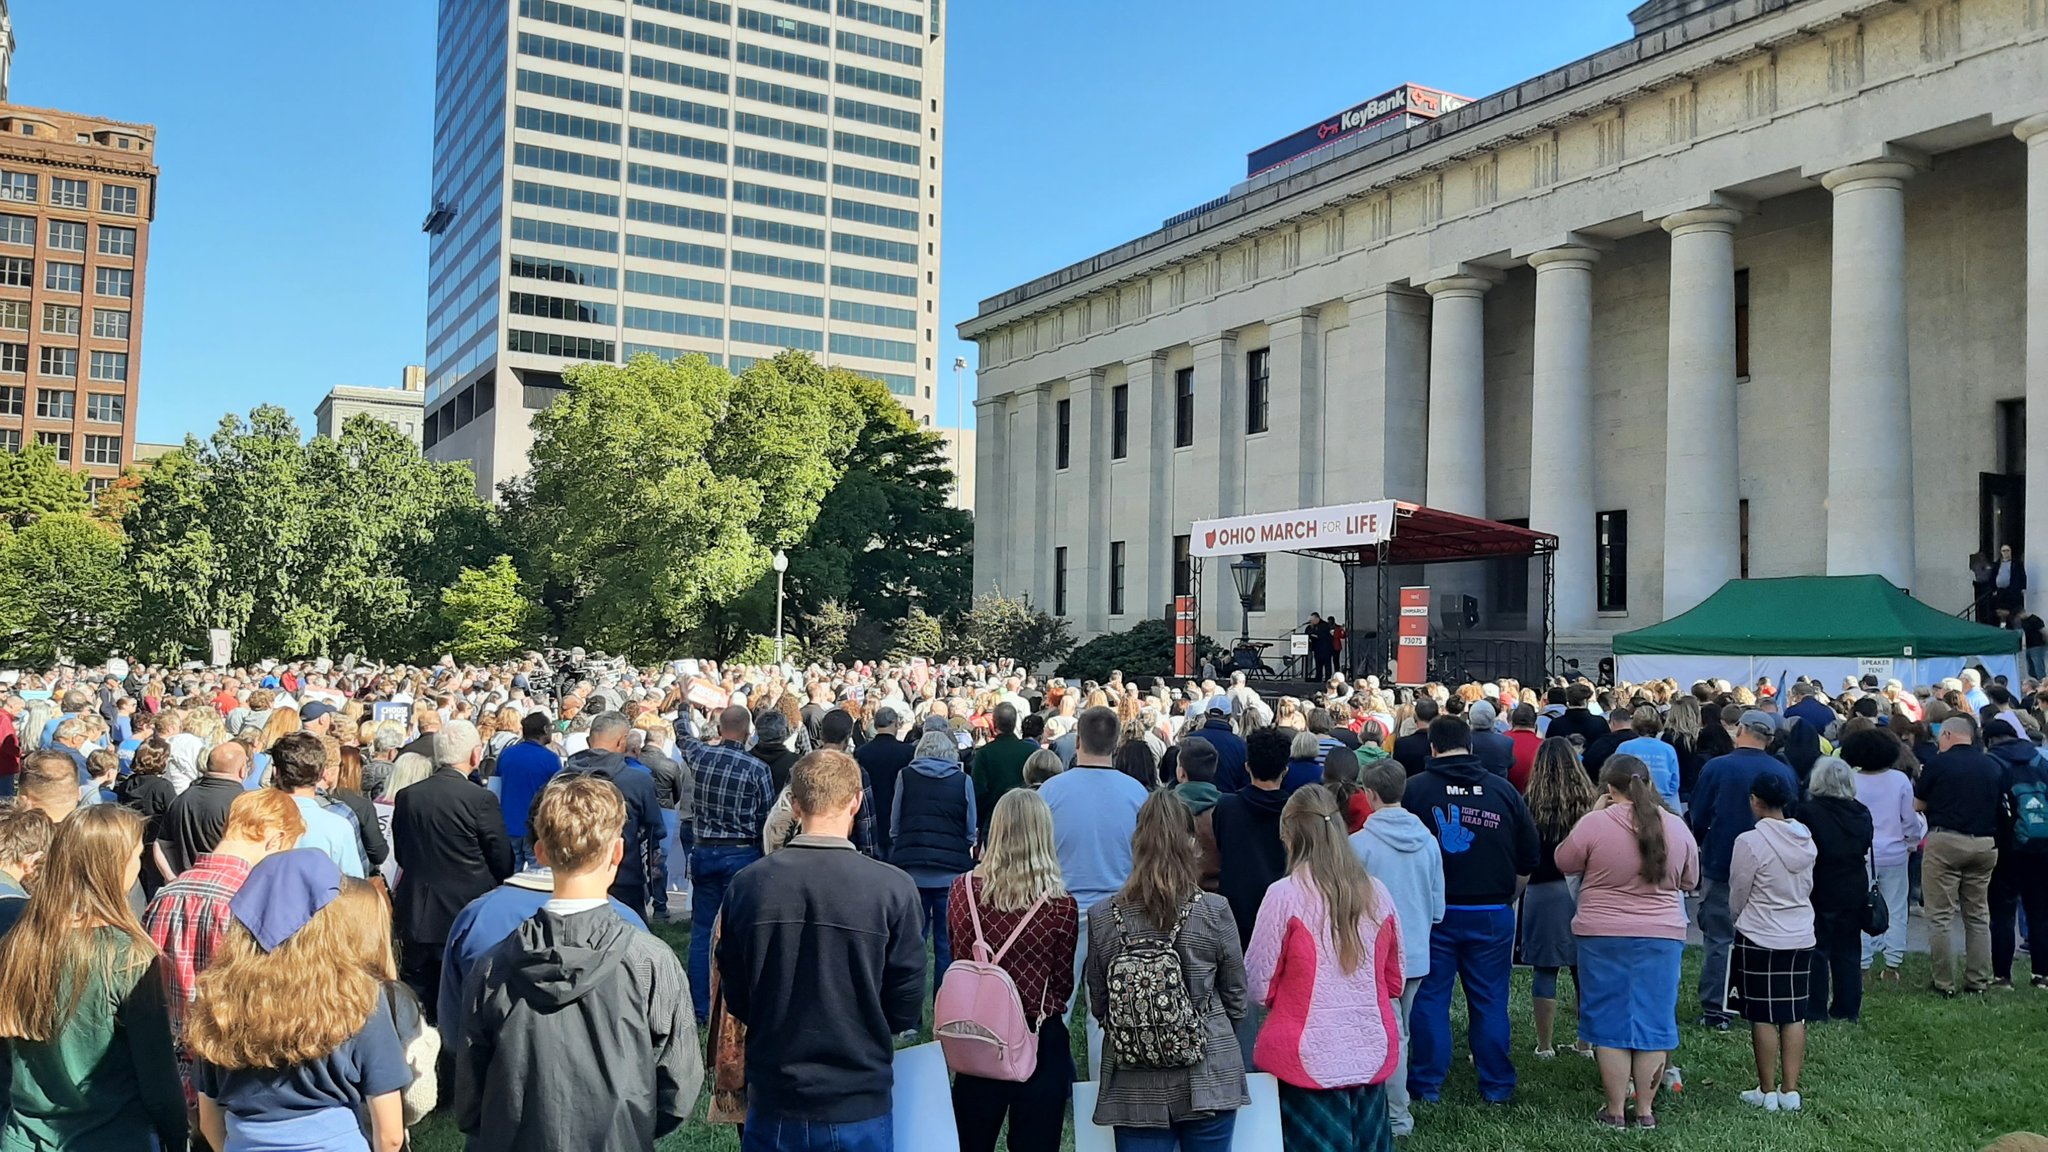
column 1720, row 812
column 1489, row 849
column 1399, row 852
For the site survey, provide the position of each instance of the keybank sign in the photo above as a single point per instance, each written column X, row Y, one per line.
column 1407, row 100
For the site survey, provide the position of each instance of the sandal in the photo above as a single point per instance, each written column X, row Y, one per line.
column 1606, row 1121
column 1645, row 1122
column 1546, row 1053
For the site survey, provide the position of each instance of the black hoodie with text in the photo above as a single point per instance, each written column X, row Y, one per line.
column 1482, row 825
column 579, row 1034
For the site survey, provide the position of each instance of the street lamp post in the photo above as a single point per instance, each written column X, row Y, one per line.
column 959, row 428
column 1245, row 574
column 781, row 567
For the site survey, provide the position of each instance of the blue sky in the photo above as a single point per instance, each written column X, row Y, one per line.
column 295, row 139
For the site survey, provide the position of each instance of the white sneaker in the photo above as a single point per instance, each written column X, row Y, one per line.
column 1757, row 1097
column 1788, row 1101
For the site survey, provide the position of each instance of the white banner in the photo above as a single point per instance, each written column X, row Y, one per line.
column 1304, row 529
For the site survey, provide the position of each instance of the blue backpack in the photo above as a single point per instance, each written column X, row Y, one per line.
column 2029, row 799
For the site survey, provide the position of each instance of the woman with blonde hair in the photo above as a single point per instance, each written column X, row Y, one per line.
column 82, row 1004
column 1327, row 935
column 1151, row 1103
column 1015, row 887
column 296, row 1028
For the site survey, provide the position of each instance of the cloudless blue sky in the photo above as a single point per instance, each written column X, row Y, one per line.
column 295, row 137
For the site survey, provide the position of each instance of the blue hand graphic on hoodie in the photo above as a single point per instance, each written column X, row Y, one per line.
column 1451, row 830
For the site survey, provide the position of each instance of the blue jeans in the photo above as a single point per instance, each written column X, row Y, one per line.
column 2037, row 662
column 658, row 885
column 937, row 931
column 774, row 1134
column 711, row 869
column 1210, row 1134
column 1476, row 945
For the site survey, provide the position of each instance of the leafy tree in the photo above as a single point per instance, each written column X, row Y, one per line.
column 658, row 491
column 823, row 633
column 997, row 626
column 487, row 614
column 920, row 634
column 33, row 483
column 886, row 536
column 1144, row 649
column 63, row 589
column 116, row 500
column 299, row 547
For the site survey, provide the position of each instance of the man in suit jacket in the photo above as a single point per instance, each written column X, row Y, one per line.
column 450, row 840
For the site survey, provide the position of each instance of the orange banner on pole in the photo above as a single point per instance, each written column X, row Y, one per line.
column 1183, row 635
column 1411, row 659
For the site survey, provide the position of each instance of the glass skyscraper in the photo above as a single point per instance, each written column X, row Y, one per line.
column 614, row 177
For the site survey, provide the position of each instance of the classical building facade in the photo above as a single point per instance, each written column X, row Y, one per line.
column 1762, row 291
column 676, row 177
column 399, row 407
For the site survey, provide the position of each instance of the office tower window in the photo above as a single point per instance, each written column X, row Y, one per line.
column 1059, row 581
column 10, row 439
column 116, row 241
column 12, row 397
column 1116, row 577
column 1183, row 408
column 106, row 407
column 64, row 277
column 14, row 359
column 110, row 366
column 1063, row 438
column 1611, row 539
column 61, row 362
column 1120, row 421
column 1256, row 387
column 68, row 193
column 55, row 404
column 61, row 319
column 109, row 324
column 102, row 449
column 118, row 199
column 18, row 230
column 17, row 272
column 67, row 236
column 115, row 282
column 14, row 315
column 18, row 186
column 60, row 441
column 1741, row 323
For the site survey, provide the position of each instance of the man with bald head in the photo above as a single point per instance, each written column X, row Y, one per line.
column 193, row 824
column 730, row 798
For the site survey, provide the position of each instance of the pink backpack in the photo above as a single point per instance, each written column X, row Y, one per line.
column 979, row 1019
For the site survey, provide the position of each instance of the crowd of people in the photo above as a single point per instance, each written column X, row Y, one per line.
column 300, row 906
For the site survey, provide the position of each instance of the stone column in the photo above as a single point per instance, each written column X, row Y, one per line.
column 2034, row 131
column 1561, row 427
column 995, row 517
column 1084, row 507
column 1031, row 494
column 1294, row 407
column 1457, row 394
column 1379, row 413
column 1702, row 497
column 1870, row 442
column 1148, row 476
column 1219, row 464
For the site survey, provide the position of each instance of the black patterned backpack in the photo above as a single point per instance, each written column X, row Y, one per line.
column 1151, row 1020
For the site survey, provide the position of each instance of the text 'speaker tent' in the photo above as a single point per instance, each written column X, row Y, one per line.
column 1827, row 628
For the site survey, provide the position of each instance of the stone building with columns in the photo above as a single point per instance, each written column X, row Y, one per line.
column 1762, row 291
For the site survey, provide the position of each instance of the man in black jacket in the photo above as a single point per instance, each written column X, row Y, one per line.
column 449, row 837
column 1578, row 719
column 577, row 1030
column 1412, row 750
column 883, row 759
column 822, row 996
column 1489, row 847
column 1249, row 855
column 644, row 829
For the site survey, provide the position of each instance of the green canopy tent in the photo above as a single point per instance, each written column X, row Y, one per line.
column 1827, row 628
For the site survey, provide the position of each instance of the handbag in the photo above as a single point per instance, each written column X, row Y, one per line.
column 1877, row 915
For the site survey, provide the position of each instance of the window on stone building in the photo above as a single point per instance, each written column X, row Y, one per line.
column 1059, row 581
column 1116, row 577
column 1510, row 590
column 1257, row 383
column 1259, row 582
column 1183, row 566
column 1742, row 534
column 1742, row 323
column 1183, row 408
column 1120, row 421
column 1063, row 436
column 1611, row 565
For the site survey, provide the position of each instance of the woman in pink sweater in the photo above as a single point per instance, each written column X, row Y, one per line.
column 1633, row 858
column 1325, row 961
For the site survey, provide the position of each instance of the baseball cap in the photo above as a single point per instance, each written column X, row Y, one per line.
column 1218, row 704
column 1759, row 723
column 315, row 709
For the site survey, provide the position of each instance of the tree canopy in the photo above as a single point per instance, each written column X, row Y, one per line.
column 63, row 590
column 33, row 483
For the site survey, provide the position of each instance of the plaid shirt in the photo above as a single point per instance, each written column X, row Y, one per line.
column 732, row 794
column 188, row 918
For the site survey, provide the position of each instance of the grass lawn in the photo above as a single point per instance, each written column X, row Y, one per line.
column 1918, row 1075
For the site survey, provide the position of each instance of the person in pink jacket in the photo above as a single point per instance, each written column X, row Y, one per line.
column 1770, row 894
column 1325, row 961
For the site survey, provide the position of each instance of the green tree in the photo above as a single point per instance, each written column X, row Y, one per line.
column 920, row 634
column 300, row 548
column 823, row 633
column 63, row 589
column 1144, row 649
column 658, row 492
column 886, row 535
column 33, row 483
column 487, row 614
column 997, row 626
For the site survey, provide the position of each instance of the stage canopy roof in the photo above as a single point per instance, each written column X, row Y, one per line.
column 1355, row 534
column 1844, row 616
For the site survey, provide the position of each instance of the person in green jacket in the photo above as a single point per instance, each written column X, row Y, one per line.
column 999, row 765
column 82, row 1002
